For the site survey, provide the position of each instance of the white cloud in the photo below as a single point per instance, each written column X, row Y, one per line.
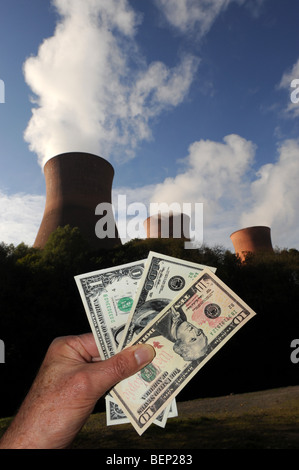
column 94, row 92
column 186, row 15
column 215, row 175
column 20, row 217
column 275, row 196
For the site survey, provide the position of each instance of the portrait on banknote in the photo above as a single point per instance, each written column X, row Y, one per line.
column 146, row 312
column 189, row 341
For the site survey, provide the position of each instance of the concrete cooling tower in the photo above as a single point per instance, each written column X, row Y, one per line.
column 75, row 184
column 168, row 225
column 252, row 240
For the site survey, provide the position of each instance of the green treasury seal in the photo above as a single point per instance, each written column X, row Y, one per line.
column 125, row 304
column 149, row 373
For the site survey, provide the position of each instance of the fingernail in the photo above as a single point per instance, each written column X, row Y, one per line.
column 144, row 354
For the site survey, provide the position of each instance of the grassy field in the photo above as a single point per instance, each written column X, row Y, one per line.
column 260, row 420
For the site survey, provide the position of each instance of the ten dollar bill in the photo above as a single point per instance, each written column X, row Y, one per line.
column 185, row 335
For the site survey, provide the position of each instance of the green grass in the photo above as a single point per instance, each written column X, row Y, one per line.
column 260, row 420
column 247, row 432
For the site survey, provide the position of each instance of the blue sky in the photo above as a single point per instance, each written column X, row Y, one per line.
column 190, row 102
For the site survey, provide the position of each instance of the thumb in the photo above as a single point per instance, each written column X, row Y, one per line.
column 124, row 364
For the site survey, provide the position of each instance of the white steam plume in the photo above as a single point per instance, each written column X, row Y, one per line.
column 94, row 93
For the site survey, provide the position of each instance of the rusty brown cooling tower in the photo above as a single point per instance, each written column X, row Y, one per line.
column 168, row 225
column 76, row 183
column 252, row 240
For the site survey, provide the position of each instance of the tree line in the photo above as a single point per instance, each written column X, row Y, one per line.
column 39, row 301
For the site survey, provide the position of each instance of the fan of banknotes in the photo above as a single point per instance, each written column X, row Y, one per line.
column 181, row 308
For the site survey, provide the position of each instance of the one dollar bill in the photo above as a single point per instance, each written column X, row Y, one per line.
column 185, row 335
column 107, row 296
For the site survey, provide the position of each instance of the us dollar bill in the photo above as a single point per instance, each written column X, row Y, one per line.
column 163, row 278
column 185, row 335
column 107, row 296
column 115, row 415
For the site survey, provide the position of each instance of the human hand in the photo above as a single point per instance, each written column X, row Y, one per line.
column 71, row 379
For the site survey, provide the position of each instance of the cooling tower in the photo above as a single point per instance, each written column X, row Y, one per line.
column 252, row 240
column 75, row 184
column 168, row 225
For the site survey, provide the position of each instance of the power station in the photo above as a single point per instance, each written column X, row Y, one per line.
column 252, row 240
column 76, row 183
column 168, row 225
